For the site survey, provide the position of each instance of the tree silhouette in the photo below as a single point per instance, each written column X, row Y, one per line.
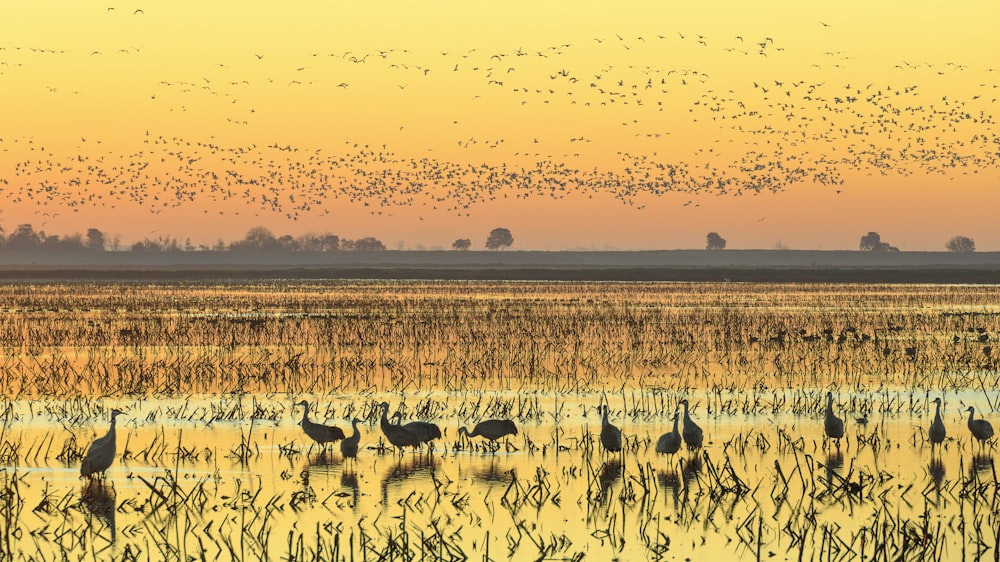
column 24, row 238
column 715, row 242
column 961, row 244
column 461, row 244
column 95, row 239
column 872, row 242
column 499, row 238
column 257, row 238
column 368, row 244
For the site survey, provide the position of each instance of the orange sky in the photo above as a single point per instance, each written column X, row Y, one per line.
column 575, row 125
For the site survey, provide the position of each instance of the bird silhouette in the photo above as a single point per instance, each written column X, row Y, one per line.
column 937, row 432
column 691, row 433
column 101, row 453
column 670, row 442
column 490, row 429
column 425, row 431
column 321, row 434
column 833, row 426
column 611, row 436
column 981, row 429
column 398, row 435
column 349, row 446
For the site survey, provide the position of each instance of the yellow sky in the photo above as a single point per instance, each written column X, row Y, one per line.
column 576, row 125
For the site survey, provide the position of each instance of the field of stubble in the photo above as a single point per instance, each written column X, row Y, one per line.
column 212, row 464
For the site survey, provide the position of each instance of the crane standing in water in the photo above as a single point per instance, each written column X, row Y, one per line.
column 319, row 433
column 670, row 442
column 833, row 426
column 693, row 435
column 937, row 433
column 490, row 429
column 398, row 435
column 101, row 453
column 349, row 446
column 611, row 436
column 981, row 429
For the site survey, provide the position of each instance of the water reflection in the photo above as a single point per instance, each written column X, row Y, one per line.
column 349, row 480
column 834, row 461
column 611, row 471
column 408, row 469
column 982, row 464
column 936, row 471
column 690, row 469
column 494, row 473
column 322, row 461
column 671, row 482
column 99, row 499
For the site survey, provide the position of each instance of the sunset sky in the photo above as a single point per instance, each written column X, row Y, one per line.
column 577, row 125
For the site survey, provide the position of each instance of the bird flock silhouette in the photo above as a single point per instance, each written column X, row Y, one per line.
column 413, row 435
column 630, row 116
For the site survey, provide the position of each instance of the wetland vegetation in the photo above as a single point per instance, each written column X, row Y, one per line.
column 211, row 461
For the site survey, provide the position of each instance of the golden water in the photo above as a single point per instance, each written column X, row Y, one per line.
column 212, row 463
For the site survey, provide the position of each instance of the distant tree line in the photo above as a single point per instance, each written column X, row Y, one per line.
column 261, row 239
column 26, row 238
column 257, row 239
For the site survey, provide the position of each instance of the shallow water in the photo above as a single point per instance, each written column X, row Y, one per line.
column 211, row 461
column 763, row 486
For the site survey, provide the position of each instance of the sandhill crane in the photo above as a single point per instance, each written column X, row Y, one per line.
column 937, row 432
column 832, row 425
column 981, row 429
column 398, row 435
column 692, row 434
column 319, row 433
column 670, row 442
column 101, row 453
column 611, row 436
column 349, row 446
column 490, row 429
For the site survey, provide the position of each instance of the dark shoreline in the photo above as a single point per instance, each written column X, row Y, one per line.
column 797, row 266
column 581, row 274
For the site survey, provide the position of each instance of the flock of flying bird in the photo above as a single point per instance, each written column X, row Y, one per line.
column 614, row 95
column 102, row 452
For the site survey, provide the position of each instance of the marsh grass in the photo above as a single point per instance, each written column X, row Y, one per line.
column 211, row 462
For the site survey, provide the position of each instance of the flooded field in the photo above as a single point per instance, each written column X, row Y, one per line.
column 211, row 462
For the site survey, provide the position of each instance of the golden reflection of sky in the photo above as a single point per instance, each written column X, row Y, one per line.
column 573, row 498
column 642, row 125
